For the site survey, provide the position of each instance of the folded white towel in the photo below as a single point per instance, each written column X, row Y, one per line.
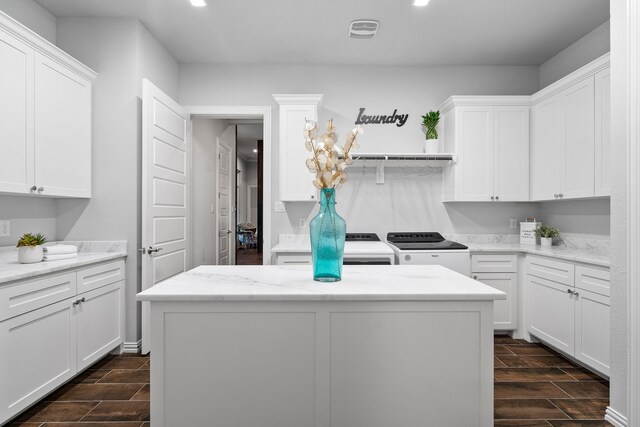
column 58, row 257
column 60, row 249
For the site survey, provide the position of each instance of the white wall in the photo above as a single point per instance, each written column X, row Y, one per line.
column 619, row 295
column 28, row 214
column 578, row 216
column 204, row 189
column 32, row 15
column 584, row 50
column 122, row 52
column 412, row 90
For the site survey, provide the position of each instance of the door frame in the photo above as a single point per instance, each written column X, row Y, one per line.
column 247, row 112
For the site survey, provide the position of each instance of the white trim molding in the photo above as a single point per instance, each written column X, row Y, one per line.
column 250, row 112
column 615, row 418
column 132, row 347
column 457, row 100
column 633, row 213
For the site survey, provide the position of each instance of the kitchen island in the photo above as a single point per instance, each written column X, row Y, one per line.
column 266, row 346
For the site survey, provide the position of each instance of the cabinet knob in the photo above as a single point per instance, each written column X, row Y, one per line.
column 576, row 294
column 313, row 197
column 40, row 189
column 555, row 195
column 492, row 198
column 497, row 197
column 475, row 277
column 79, row 301
column 561, row 195
column 570, row 291
column 34, row 188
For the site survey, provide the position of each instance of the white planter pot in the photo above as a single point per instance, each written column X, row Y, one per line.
column 431, row 146
column 546, row 242
column 30, row 254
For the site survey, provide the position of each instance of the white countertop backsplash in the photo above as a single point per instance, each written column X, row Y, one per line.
column 571, row 247
column 89, row 252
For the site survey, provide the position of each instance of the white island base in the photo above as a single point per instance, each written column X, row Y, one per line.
column 268, row 347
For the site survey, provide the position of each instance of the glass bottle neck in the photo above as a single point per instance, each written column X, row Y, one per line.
column 328, row 199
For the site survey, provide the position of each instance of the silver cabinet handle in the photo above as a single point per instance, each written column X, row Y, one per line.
column 569, row 291
column 576, row 294
column 79, row 301
column 561, row 195
column 34, row 188
column 555, row 195
column 40, row 189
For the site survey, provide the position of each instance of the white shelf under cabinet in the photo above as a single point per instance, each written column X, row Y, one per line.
column 404, row 159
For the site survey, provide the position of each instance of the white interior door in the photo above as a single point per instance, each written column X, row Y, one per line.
column 226, row 197
column 165, row 173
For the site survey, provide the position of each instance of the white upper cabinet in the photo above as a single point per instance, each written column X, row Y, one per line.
column 602, row 85
column 296, row 183
column 46, row 117
column 570, row 135
column 490, row 137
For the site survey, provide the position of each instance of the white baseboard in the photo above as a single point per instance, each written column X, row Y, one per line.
column 615, row 418
column 132, row 347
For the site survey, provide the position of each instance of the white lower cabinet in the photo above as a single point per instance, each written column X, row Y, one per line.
column 49, row 344
column 500, row 271
column 572, row 316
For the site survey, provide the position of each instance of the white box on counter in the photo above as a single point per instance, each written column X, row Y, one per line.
column 527, row 232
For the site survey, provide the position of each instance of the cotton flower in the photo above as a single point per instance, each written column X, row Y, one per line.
column 310, row 125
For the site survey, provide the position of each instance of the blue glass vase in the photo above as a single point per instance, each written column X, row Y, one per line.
column 328, row 230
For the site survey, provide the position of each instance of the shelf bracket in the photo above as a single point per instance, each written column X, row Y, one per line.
column 380, row 172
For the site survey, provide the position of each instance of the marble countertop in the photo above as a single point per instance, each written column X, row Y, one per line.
column 286, row 283
column 88, row 253
column 559, row 252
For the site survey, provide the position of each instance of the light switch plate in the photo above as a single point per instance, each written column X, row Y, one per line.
column 5, row 228
column 279, row 206
column 513, row 223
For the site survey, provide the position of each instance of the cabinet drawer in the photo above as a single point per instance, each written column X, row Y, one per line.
column 559, row 272
column 494, row 263
column 30, row 295
column 294, row 259
column 100, row 275
column 593, row 279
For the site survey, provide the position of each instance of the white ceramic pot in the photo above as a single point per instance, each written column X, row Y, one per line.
column 546, row 242
column 30, row 254
column 431, row 146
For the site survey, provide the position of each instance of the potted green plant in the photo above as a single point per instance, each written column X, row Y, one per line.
column 546, row 234
column 30, row 248
column 430, row 122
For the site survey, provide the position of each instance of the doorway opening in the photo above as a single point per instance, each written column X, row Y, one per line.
column 227, row 191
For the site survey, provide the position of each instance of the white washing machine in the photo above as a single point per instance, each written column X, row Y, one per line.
column 430, row 248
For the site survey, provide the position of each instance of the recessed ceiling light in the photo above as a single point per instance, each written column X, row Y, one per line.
column 420, row 2
column 255, row 150
column 198, row 3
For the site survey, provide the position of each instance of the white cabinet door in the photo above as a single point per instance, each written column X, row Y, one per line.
column 592, row 330
column 474, row 142
column 505, row 315
column 547, row 158
column 37, row 354
column 603, row 133
column 551, row 312
column 16, row 115
column 511, row 153
column 99, row 323
column 296, row 182
column 62, row 130
column 579, row 125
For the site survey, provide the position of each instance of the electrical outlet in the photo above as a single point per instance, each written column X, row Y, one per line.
column 513, row 223
column 5, row 228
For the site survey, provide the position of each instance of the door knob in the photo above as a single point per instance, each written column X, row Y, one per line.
column 152, row 250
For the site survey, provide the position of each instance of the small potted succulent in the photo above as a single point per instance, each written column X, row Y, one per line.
column 430, row 122
column 546, row 234
column 30, row 248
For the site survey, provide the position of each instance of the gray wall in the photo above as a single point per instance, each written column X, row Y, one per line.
column 204, row 189
column 586, row 49
column 578, row 216
column 619, row 285
column 412, row 90
column 32, row 15
column 122, row 52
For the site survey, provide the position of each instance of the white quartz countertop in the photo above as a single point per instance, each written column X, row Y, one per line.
column 284, row 283
column 559, row 252
column 11, row 270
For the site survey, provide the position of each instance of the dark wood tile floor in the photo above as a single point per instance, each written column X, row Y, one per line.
column 248, row 257
column 534, row 386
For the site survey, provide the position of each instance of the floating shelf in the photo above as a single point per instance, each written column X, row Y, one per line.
column 404, row 159
column 382, row 160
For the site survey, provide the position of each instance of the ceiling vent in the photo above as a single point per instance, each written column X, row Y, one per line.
column 363, row 28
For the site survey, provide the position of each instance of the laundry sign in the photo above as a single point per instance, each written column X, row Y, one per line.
column 382, row 119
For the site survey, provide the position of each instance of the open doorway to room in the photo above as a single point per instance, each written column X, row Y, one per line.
column 249, row 159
